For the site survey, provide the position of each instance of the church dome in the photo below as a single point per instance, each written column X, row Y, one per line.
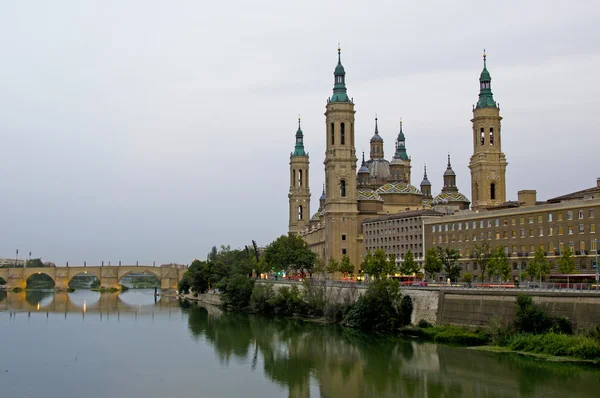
column 376, row 138
column 363, row 169
column 397, row 187
column 378, row 168
column 396, row 161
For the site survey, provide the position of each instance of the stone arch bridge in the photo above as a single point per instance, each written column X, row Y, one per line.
column 109, row 276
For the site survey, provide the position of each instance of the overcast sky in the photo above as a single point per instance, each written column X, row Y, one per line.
column 152, row 130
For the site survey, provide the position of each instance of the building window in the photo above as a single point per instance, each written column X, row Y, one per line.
column 561, row 230
column 540, row 218
column 505, row 222
column 530, row 231
column 569, row 215
column 497, row 222
column 492, row 191
column 513, row 221
column 482, row 136
column 474, row 224
column 344, row 252
column 342, row 134
column 580, row 215
column 581, row 228
column 582, row 246
column 522, row 232
column 474, row 237
column 591, row 213
column 530, row 219
column 491, row 138
column 522, row 220
column 514, row 234
column 489, row 223
column 343, row 236
column 570, row 230
column 332, row 134
column 549, row 217
column 497, row 235
column 551, row 248
column 294, row 177
column 550, row 231
column 299, row 212
column 592, row 228
column 343, row 188
column 299, row 178
column 541, row 231
column 559, row 217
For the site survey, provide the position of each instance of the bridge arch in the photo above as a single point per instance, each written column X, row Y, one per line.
column 90, row 272
column 139, row 270
column 33, row 279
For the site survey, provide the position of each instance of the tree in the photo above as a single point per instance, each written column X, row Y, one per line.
column 449, row 260
column 481, row 254
column 409, row 266
column 498, row 264
column 346, row 265
column 433, row 264
column 34, row 263
column 539, row 266
column 379, row 264
column 332, row 266
column 468, row 277
column 289, row 252
column 566, row 263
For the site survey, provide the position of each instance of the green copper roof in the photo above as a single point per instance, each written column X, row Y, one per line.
column 339, row 86
column 299, row 149
column 486, row 98
column 401, row 146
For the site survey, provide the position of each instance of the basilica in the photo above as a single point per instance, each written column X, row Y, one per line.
column 381, row 186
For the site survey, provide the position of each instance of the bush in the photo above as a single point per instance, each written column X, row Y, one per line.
column 288, row 301
column 556, row 345
column 236, row 291
column 594, row 333
column 184, row 284
column 406, row 307
column 500, row 331
column 461, row 337
column 424, row 324
column 562, row 325
column 530, row 318
column 261, row 298
column 378, row 309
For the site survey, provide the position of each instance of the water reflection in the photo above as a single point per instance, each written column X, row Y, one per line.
column 338, row 362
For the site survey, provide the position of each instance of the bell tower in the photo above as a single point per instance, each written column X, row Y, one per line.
column 299, row 196
column 341, row 203
column 488, row 163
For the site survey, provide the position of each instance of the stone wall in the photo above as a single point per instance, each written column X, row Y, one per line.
column 476, row 308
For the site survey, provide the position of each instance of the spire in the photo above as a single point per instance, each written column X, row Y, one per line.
column 449, row 178
column 363, row 166
column 299, row 149
column 339, row 84
column 449, row 165
column 425, row 181
column 376, row 136
column 401, row 145
column 425, row 171
column 363, row 162
column 486, row 98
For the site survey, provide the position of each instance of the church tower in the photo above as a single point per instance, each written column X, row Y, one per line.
column 400, row 164
column 488, row 163
column 341, row 202
column 299, row 196
column 426, row 186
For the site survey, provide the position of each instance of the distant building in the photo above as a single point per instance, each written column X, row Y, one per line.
column 521, row 227
column 398, row 233
column 5, row 262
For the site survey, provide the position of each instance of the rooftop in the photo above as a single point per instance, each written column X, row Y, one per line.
column 404, row 214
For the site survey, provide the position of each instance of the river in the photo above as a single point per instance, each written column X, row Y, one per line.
column 87, row 344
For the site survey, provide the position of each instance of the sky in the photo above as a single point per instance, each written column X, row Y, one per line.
column 152, row 130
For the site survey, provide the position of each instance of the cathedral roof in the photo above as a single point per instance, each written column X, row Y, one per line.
column 317, row 215
column 397, row 187
column 299, row 149
column 378, row 168
column 339, row 87
column 368, row 194
column 447, row 197
column 486, row 97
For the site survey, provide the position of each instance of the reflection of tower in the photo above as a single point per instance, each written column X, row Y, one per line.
column 299, row 196
column 341, row 204
column 488, row 163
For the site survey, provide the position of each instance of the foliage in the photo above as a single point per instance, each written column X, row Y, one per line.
column 184, row 284
column 34, row 263
column 424, row 324
column 539, row 266
column 262, row 297
column 498, row 264
column 406, row 308
column 482, row 255
column 236, row 291
column 288, row 301
column 468, row 277
column 448, row 334
column 289, row 253
column 529, row 317
column 346, row 265
column 556, row 345
column 378, row 264
column 433, row 264
column 566, row 263
column 319, row 266
column 449, row 259
column 378, row 309
column 409, row 266
column 332, row 266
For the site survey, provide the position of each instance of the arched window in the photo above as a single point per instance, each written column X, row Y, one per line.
column 343, row 188
column 482, row 136
column 299, row 178
column 492, row 191
column 294, row 177
column 342, row 134
column 299, row 212
column 332, row 135
column 491, row 136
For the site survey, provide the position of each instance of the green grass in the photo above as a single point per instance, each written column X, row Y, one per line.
column 448, row 335
column 559, row 345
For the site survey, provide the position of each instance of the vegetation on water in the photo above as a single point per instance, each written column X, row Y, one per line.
column 121, row 288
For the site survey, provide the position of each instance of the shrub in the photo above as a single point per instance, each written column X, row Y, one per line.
column 288, row 301
column 261, row 298
column 378, row 309
column 556, row 344
column 530, row 318
column 406, row 307
column 184, row 284
column 236, row 291
column 424, row 324
column 500, row 331
column 455, row 335
column 562, row 325
column 594, row 333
